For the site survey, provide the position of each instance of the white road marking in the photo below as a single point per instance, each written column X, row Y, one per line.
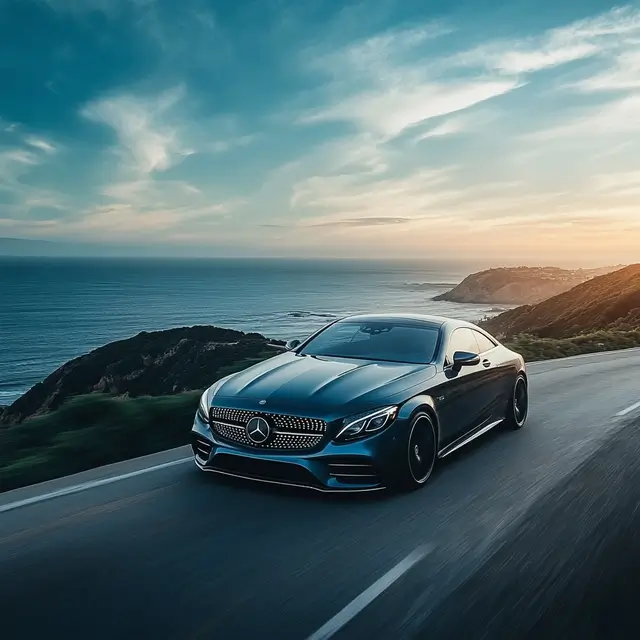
column 66, row 491
column 369, row 595
column 628, row 410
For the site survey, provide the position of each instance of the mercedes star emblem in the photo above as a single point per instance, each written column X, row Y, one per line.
column 258, row 430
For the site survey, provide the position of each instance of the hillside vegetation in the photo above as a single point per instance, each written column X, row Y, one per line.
column 149, row 364
column 91, row 431
column 533, row 348
column 519, row 285
column 609, row 303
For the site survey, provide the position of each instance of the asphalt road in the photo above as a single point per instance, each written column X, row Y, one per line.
column 174, row 553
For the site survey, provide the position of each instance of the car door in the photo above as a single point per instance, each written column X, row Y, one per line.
column 492, row 392
column 459, row 399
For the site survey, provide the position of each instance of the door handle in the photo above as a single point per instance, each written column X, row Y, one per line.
column 486, row 363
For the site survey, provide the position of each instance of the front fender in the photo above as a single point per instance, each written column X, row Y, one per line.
column 416, row 404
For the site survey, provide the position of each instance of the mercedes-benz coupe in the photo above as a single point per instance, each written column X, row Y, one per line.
column 368, row 402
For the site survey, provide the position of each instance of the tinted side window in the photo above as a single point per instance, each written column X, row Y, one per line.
column 484, row 344
column 461, row 340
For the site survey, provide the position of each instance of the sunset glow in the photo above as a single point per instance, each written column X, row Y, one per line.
column 306, row 129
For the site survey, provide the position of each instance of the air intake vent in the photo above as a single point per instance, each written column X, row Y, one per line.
column 201, row 448
column 353, row 471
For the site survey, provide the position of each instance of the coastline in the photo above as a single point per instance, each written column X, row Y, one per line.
column 58, row 310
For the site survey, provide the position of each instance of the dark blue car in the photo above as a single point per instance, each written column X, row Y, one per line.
column 367, row 402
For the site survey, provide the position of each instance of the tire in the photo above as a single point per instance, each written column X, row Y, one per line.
column 420, row 453
column 518, row 407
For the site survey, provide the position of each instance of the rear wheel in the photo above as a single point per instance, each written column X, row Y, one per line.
column 518, row 408
column 420, row 452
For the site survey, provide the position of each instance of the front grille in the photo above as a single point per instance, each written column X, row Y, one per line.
column 353, row 471
column 201, row 447
column 263, row 469
column 281, row 422
column 288, row 432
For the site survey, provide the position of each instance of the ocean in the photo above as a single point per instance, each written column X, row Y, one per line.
column 53, row 309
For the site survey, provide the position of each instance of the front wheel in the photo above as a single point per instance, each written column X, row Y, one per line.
column 420, row 453
column 518, row 408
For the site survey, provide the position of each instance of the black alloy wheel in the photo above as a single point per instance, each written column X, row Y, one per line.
column 519, row 404
column 421, row 452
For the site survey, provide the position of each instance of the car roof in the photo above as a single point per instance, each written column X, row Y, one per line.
column 439, row 321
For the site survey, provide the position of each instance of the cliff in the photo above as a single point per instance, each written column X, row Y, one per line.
column 609, row 302
column 519, row 285
column 150, row 364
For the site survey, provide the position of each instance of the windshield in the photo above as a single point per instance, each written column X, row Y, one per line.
column 390, row 341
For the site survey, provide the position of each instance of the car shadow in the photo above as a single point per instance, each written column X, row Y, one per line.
column 253, row 487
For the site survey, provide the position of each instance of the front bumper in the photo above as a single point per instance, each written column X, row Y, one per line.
column 369, row 464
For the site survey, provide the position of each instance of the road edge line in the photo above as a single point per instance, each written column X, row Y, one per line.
column 84, row 486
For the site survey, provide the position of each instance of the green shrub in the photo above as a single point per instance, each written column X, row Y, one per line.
column 534, row 348
column 92, row 430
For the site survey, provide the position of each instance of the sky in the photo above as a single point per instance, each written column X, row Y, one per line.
column 494, row 129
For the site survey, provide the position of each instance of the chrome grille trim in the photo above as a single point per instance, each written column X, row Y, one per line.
column 288, row 433
column 281, row 422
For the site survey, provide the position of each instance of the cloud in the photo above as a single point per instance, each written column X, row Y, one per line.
column 613, row 118
column 40, row 143
column 9, row 127
column 221, row 146
column 148, row 142
column 119, row 219
column 577, row 41
column 362, row 222
column 446, row 128
column 369, row 55
column 388, row 111
column 621, row 184
column 387, row 84
column 623, row 74
column 150, row 193
column 351, row 196
column 18, row 156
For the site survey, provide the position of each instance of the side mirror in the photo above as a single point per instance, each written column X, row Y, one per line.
column 292, row 344
column 465, row 359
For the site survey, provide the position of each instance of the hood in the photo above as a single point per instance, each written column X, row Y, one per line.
column 319, row 386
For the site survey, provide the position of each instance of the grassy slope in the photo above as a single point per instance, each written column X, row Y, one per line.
column 91, row 431
column 610, row 302
column 534, row 348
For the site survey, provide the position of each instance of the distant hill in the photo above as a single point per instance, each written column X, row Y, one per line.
column 21, row 247
column 149, row 364
column 609, row 302
column 519, row 285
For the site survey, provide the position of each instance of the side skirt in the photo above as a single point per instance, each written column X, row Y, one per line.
column 458, row 444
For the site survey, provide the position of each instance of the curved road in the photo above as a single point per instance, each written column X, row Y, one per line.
column 174, row 553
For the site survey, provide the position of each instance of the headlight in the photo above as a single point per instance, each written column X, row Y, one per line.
column 365, row 424
column 206, row 398
column 203, row 407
